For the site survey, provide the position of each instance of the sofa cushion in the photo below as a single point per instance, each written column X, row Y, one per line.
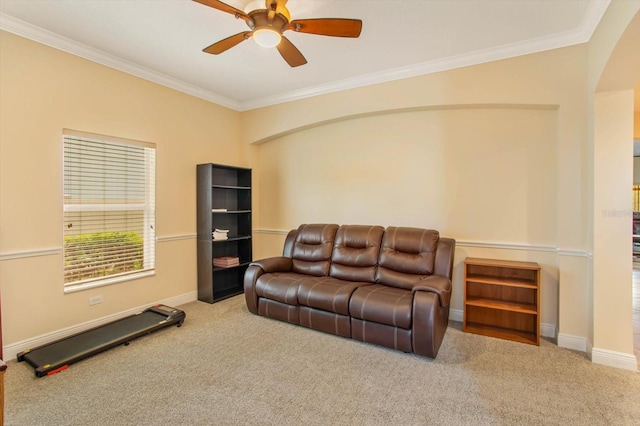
column 355, row 252
column 328, row 294
column 382, row 304
column 282, row 286
column 311, row 251
column 406, row 254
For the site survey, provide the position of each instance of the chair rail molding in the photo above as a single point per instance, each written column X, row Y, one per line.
column 30, row 253
column 479, row 244
column 23, row 254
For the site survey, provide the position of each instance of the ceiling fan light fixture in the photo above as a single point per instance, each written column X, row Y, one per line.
column 266, row 37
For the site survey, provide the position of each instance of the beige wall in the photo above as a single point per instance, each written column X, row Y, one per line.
column 436, row 168
column 440, row 168
column 42, row 91
column 613, row 133
column 555, row 79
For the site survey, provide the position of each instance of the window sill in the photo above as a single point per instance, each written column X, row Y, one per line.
column 72, row 288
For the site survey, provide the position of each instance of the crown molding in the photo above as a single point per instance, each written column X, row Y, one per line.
column 582, row 34
column 591, row 19
column 48, row 38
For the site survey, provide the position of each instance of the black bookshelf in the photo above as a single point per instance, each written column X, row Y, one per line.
column 224, row 202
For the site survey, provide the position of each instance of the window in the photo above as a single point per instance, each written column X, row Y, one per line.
column 109, row 210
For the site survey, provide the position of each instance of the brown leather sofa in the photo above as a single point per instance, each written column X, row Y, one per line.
column 389, row 287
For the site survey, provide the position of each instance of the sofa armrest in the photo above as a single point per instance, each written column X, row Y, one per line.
column 430, row 322
column 251, row 275
column 274, row 264
column 255, row 270
column 436, row 284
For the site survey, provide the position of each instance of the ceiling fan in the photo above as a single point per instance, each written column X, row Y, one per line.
column 268, row 25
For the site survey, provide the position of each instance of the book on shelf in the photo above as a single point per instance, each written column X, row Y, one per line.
column 226, row 261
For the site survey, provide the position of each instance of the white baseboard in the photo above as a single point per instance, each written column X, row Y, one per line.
column 546, row 330
column 456, row 315
column 11, row 350
column 614, row 359
column 575, row 343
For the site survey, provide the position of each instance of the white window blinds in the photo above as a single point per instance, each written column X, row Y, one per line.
column 109, row 208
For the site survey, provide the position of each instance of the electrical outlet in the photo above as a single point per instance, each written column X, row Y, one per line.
column 95, row 300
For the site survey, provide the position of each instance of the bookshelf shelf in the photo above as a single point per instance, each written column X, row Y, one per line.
column 237, row 238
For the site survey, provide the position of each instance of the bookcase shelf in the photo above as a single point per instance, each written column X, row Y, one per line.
column 231, row 238
column 231, row 187
column 241, row 265
column 502, row 299
column 224, row 202
column 502, row 333
column 231, row 212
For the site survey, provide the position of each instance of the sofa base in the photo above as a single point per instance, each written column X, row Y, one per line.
column 280, row 311
column 380, row 334
column 325, row 321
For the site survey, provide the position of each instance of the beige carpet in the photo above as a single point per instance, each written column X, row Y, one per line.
column 226, row 366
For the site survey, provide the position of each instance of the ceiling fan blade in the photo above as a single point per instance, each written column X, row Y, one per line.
column 225, row 8
column 290, row 53
column 227, row 43
column 281, row 8
column 335, row 27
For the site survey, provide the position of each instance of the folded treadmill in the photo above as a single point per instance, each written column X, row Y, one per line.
column 57, row 356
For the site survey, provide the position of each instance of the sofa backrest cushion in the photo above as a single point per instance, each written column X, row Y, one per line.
column 311, row 251
column 406, row 254
column 355, row 252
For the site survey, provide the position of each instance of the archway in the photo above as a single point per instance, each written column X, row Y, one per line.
column 613, row 123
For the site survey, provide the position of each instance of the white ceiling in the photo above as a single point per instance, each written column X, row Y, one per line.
column 162, row 40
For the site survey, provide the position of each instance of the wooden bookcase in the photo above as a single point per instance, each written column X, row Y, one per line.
column 223, row 202
column 502, row 299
